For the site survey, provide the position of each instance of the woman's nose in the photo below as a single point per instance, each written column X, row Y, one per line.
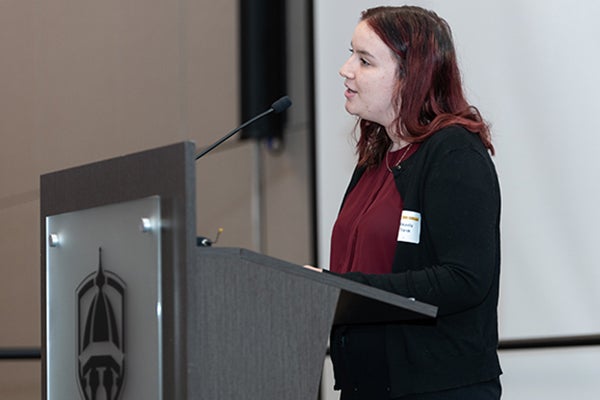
column 345, row 71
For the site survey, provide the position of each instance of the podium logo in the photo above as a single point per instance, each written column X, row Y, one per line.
column 101, row 349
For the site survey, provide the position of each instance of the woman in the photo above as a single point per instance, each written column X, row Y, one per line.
column 420, row 217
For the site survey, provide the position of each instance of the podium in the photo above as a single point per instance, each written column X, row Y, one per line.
column 132, row 309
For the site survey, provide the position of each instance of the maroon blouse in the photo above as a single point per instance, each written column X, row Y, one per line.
column 364, row 235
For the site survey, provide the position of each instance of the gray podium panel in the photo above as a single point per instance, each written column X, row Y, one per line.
column 258, row 332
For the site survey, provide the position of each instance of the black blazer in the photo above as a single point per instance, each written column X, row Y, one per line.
column 451, row 182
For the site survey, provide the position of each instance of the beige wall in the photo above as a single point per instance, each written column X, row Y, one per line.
column 84, row 81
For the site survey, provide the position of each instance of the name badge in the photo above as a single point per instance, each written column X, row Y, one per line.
column 410, row 227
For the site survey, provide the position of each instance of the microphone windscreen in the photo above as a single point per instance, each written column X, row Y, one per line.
column 281, row 105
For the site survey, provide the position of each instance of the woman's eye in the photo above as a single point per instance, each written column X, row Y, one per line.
column 363, row 61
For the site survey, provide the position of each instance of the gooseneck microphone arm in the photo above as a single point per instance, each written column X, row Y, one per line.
column 278, row 106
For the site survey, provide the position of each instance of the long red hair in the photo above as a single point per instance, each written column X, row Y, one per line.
column 429, row 95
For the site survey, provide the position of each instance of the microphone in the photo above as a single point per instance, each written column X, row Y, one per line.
column 278, row 106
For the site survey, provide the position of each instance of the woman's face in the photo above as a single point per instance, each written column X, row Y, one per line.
column 371, row 77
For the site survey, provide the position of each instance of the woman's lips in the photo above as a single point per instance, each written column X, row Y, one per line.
column 349, row 93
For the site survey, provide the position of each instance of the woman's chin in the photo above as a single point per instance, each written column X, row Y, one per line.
column 350, row 110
